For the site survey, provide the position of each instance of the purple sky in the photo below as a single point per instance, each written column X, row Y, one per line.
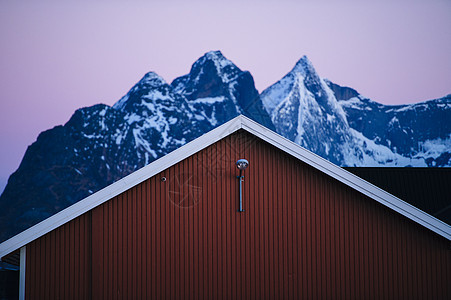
column 57, row 56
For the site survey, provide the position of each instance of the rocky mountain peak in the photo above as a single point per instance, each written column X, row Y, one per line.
column 151, row 86
column 152, row 79
column 217, row 89
column 218, row 58
column 304, row 67
column 213, row 65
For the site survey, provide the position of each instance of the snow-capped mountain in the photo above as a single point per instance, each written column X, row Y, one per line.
column 348, row 129
column 304, row 109
column 421, row 131
column 158, row 119
column 101, row 144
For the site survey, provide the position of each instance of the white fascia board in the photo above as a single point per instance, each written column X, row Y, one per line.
column 118, row 187
column 349, row 179
column 204, row 141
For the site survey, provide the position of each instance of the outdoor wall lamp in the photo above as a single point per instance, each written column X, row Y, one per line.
column 241, row 164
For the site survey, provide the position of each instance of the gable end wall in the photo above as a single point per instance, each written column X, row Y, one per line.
column 302, row 235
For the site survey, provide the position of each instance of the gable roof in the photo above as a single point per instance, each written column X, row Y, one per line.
column 240, row 122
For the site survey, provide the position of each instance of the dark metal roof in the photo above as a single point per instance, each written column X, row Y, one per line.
column 428, row 189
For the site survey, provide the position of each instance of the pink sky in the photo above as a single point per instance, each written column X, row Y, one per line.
column 57, row 56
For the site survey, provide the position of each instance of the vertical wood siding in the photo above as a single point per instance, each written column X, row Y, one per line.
column 58, row 265
column 302, row 235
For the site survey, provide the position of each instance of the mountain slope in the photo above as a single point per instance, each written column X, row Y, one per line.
column 64, row 165
column 420, row 130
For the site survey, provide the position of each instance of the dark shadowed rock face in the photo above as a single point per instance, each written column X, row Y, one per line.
column 64, row 165
column 342, row 92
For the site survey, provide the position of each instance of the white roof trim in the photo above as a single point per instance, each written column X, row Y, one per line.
column 350, row 179
column 204, row 141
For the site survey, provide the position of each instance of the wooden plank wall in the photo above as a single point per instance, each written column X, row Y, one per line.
column 303, row 235
column 58, row 265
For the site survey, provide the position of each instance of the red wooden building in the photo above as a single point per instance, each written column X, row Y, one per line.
column 172, row 230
